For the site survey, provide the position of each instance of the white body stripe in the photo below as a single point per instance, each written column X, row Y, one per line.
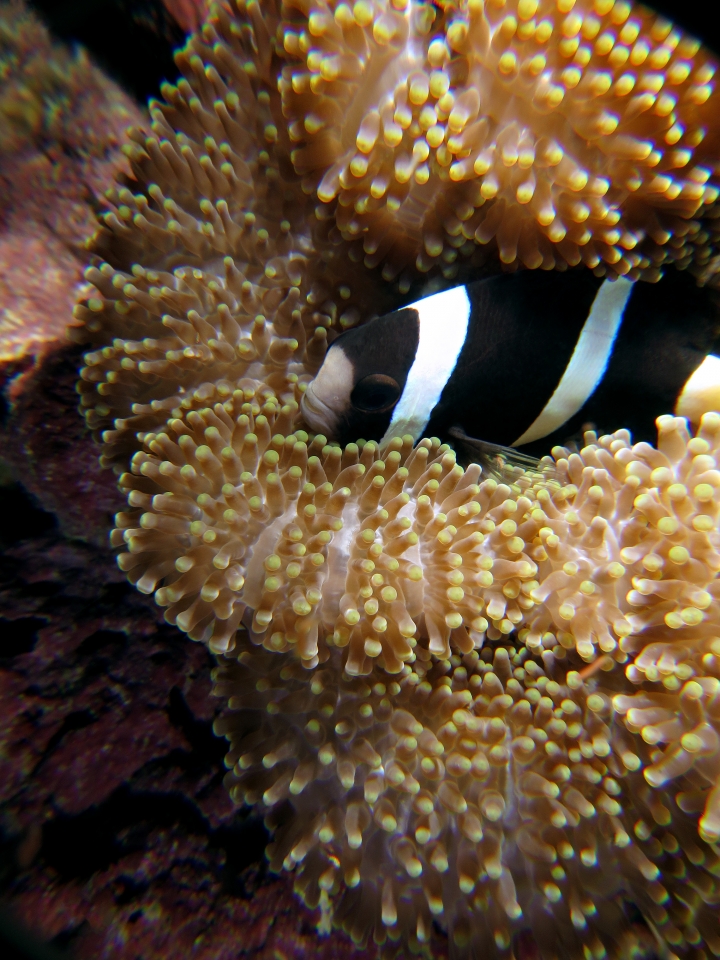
column 701, row 392
column 588, row 362
column 443, row 328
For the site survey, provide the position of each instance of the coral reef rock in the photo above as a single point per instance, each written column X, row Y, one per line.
column 117, row 839
column 62, row 127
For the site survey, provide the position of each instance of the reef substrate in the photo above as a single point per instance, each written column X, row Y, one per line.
column 117, row 838
column 62, row 124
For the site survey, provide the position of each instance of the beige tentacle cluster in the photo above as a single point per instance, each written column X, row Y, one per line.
column 503, row 700
column 565, row 131
column 205, row 271
column 501, row 795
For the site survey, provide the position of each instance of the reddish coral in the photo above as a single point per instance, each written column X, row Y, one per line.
column 124, row 842
column 49, row 448
column 188, row 13
column 61, row 128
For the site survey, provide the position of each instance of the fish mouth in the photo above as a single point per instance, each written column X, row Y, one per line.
column 318, row 415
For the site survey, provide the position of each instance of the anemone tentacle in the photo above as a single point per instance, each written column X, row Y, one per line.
column 505, row 694
column 581, row 131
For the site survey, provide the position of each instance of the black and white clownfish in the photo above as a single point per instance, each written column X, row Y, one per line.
column 525, row 360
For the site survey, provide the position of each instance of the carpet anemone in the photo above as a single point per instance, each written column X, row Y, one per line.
column 566, row 132
column 493, row 704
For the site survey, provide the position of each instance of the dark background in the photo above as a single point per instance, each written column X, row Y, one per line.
column 132, row 40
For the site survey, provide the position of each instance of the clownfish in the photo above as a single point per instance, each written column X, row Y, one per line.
column 524, row 360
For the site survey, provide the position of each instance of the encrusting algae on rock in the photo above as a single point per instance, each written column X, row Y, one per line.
column 496, row 705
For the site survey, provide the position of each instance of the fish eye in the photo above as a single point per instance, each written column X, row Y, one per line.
column 375, row 393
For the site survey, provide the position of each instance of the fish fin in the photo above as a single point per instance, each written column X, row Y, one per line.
column 504, row 464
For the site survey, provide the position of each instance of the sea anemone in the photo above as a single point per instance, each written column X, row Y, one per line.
column 589, row 124
column 496, row 704
column 590, row 127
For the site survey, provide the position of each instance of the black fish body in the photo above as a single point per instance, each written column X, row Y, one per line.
column 524, row 360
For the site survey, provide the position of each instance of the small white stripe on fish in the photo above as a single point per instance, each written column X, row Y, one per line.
column 443, row 328
column 588, row 362
column 701, row 392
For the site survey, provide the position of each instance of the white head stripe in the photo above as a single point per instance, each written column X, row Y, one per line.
column 443, row 329
column 588, row 362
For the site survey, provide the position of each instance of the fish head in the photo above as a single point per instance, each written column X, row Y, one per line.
column 362, row 378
